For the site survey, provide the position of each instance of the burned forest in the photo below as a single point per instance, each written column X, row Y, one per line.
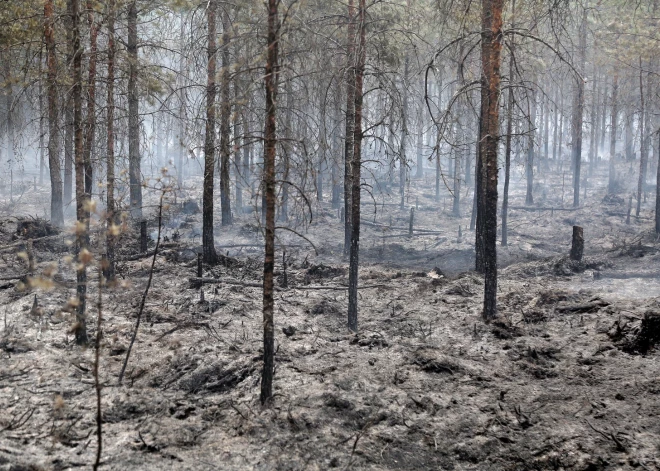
column 316, row 235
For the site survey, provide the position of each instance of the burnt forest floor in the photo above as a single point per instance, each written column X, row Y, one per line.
column 556, row 383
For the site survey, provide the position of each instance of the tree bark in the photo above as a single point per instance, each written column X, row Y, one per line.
column 578, row 111
column 644, row 148
column 270, row 144
column 531, row 154
column 350, row 123
column 56, row 207
column 134, row 173
column 509, row 131
column 225, row 116
column 614, row 118
column 208, row 241
column 82, row 197
column 357, row 156
column 91, row 98
column 491, row 50
column 111, row 239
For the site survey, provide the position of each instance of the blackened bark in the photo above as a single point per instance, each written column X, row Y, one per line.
column 509, row 131
column 644, row 148
column 111, row 239
column 350, row 123
column 578, row 112
column 491, row 50
column 82, row 198
column 286, row 146
column 270, row 144
column 614, row 118
column 357, row 162
column 134, row 173
column 208, row 242
column 90, row 127
column 531, row 151
column 225, row 116
column 56, row 207
column 577, row 244
column 403, row 159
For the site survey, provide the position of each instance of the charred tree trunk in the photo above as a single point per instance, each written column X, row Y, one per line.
column 491, row 50
column 208, row 242
column 110, row 148
column 68, row 116
column 286, row 147
column 357, row 155
column 403, row 159
column 82, row 198
column 182, row 110
column 644, row 148
column 614, row 118
column 531, row 153
column 350, row 123
column 56, row 207
column 577, row 244
column 270, row 143
column 578, row 112
column 91, row 98
column 509, row 131
column 225, row 129
column 134, row 173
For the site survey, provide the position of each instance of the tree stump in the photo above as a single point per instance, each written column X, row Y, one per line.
column 143, row 236
column 412, row 220
column 649, row 334
column 577, row 246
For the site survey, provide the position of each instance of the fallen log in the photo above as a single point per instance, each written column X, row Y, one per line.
column 583, row 308
column 198, row 282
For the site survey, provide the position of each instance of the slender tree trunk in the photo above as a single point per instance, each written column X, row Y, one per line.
column 91, row 98
column 111, row 238
column 657, row 193
column 270, row 144
column 182, row 108
column 82, row 197
column 357, row 155
column 644, row 149
column 614, row 118
column 578, row 112
column 531, row 152
column 42, row 126
column 208, row 242
column 68, row 115
column 420, row 143
column 491, row 50
column 603, row 114
column 350, row 123
column 134, row 173
column 509, row 131
column 546, row 132
column 56, row 207
column 593, row 136
column 225, row 116
column 336, row 187
column 403, row 159
column 286, row 147
column 555, row 127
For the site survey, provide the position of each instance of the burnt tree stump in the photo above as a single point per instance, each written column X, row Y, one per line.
column 649, row 333
column 577, row 245
column 143, row 236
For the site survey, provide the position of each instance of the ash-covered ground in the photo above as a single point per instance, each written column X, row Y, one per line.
column 558, row 382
